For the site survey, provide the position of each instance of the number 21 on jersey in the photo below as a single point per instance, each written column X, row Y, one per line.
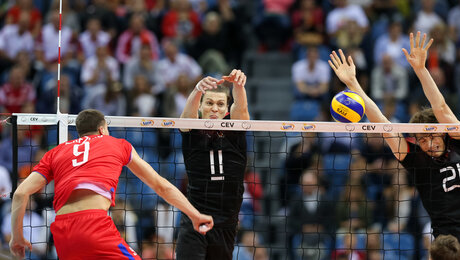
column 213, row 166
column 81, row 151
column 455, row 173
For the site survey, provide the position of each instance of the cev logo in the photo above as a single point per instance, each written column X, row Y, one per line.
column 430, row 128
column 308, row 127
column 147, row 122
column 451, row 128
column 287, row 126
column 168, row 123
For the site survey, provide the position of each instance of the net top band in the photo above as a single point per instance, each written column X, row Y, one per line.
column 245, row 125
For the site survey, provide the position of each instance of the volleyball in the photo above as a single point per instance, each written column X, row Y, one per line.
column 347, row 107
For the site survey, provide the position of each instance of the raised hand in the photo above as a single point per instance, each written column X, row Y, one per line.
column 344, row 68
column 418, row 53
column 237, row 77
column 208, row 83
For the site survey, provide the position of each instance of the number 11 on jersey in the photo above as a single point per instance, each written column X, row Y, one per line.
column 213, row 167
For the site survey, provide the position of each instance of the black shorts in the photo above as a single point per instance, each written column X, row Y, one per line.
column 218, row 243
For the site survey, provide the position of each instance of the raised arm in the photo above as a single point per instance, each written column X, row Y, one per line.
column 239, row 109
column 169, row 192
column 29, row 186
column 417, row 58
column 193, row 100
column 346, row 71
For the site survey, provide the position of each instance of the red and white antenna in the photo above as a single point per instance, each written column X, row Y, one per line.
column 59, row 59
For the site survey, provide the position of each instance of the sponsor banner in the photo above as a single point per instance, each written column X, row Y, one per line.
column 287, row 126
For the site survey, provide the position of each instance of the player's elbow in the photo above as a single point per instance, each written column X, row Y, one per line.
column 163, row 188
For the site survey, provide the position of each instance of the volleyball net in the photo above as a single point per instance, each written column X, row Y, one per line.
column 313, row 190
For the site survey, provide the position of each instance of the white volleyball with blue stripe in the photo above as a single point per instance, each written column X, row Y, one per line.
column 347, row 107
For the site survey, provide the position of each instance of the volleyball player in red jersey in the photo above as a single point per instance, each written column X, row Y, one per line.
column 85, row 173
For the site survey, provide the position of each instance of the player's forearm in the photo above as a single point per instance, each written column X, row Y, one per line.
column 18, row 209
column 175, row 197
column 373, row 112
column 192, row 104
column 240, row 104
column 430, row 89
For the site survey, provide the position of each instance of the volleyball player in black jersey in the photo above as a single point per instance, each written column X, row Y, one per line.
column 434, row 159
column 215, row 162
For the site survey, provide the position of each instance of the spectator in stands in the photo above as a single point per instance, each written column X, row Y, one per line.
column 389, row 80
column 143, row 64
column 210, row 47
column 26, row 63
column 453, row 21
column 181, row 23
column 175, row 63
column 445, row 247
column 17, row 95
column 70, row 96
column 176, row 95
column 91, row 38
column 98, row 72
column 248, row 246
column 48, row 39
column 308, row 23
column 99, row 9
column 391, row 43
column 352, row 210
column 131, row 40
column 27, row 7
column 311, row 77
column 442, row 54
column 15, row 38
column 310, row 215
column 252, row 196
column 70, row 17
column 426, row 18
column 300, row 157
column 234, row 18
column 274, row 28
column 108, row 100
column 346, row 24
column 142, row 102
column 348, row 249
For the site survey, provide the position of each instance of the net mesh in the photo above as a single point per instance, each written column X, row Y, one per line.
column 309, row 193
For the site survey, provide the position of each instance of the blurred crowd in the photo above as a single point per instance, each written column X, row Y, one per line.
column 338, row 196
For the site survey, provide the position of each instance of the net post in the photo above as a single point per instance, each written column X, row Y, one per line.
column 14, row 177
column 63, row 127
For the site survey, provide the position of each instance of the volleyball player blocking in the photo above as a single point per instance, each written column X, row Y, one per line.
column 215, row 162
column 85, row 173
column 434, row 159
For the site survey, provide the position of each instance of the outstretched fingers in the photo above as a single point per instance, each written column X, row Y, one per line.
column 417, row 40
column 428, row 45
column 342, row 56
column 334, row 68
column 405, row 53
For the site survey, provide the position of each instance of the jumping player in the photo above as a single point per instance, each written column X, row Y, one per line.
column 85, row 172
column 215, row 162
column 434, row 159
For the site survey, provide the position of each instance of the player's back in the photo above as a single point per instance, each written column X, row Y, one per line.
column 94, row 160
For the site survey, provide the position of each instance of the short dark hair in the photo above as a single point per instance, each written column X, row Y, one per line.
column 426, row 115
column 445, row 247
column 89, row 121
column 220, row 89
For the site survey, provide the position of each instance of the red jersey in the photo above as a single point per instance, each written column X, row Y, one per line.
column 95, row 159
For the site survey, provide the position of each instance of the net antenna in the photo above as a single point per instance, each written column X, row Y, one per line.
column 62, row 118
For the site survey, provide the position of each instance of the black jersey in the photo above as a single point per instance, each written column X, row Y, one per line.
column 215, row 162
column 438, row 182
